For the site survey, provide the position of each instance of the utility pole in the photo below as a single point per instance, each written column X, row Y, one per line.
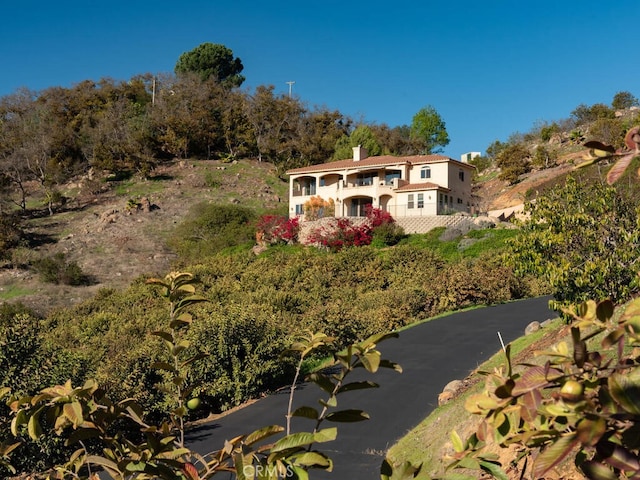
column 290, row 83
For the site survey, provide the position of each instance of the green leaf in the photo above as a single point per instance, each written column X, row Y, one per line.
column 350, row 415
column 494, row 469
column 371, row 361
column 313, row 459
column 103, row 462
column 375, row 339
column 554, row 455
column 302, row 439
column 299, row 472
column 404, row 471
column 597, row 471
column 262, row 433
column 323, row 381
column 590, row 431
column 17, row 421
column 456, row 441
column 625, row 390
column 605, row 310
column 331, row 402
column 618, row 457
column 33, row 426
column 73, row 411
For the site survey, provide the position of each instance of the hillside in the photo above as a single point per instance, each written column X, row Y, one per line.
column 113, row 244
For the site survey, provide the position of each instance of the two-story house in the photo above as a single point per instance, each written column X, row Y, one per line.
column 417, row 185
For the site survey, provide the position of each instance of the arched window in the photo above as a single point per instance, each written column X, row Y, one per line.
column 425, row 172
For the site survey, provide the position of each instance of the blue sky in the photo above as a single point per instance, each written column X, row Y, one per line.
column 490, row 68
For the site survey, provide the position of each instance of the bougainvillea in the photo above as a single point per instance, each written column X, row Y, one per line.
column 274, row 229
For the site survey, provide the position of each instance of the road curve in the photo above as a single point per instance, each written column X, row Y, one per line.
column 431, row 355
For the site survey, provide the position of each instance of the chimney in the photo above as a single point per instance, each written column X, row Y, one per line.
column 359, row 153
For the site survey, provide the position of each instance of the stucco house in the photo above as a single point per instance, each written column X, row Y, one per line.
column 418, row 185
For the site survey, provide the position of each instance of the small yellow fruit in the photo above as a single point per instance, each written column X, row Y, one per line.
column 193, row 403
column 572, row 391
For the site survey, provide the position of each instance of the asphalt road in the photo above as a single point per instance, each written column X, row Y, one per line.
column 431, row 355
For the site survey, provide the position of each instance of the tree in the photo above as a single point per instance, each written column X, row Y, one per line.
column 587, row 114
column 624, row 100
column 429, row 129
column 210, row 60
column 513, row 161
column 362, row 135
column 274, row 121
column 396, row 140
column 494, row 149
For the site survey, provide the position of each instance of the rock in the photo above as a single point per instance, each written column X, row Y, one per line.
column 109, row 216
column 145, row 205
column 547, row 322
column 450, row 234
column 453, row 386
column 444, row 397
column 258, row 249
column 532, row 327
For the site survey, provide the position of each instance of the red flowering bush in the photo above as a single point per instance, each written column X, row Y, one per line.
column 340, row 233
column 377, row 216
column 274, row 229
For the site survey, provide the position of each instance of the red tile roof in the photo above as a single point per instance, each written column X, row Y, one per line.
column 421, row 186
column 380, row 161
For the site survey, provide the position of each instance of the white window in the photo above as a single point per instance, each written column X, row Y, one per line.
column 421, row 200
column 299, row 209
column 410, row 201
column 425, row 172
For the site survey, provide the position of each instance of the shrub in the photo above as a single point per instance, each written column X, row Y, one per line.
column 277, row 229
column 583, row 241
column 56, row 269
column 339, row 234
column 579, row 406
column 387, row 234
column 210, row 228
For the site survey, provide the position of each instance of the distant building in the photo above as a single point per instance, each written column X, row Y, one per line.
column 417, row 185
column 467, row 157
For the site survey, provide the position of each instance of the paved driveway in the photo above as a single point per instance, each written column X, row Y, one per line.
column 431, row 355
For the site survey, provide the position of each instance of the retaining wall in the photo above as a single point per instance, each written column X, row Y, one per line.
column 424, row 224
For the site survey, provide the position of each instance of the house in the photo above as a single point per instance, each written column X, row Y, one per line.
column 419, row 185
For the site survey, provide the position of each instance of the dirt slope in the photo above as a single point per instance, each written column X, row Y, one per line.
column 114, row 244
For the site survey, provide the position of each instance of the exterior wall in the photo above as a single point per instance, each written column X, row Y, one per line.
column 460, row 188
column 438, row 174
column 424, row 224
column 400, row 207
column 467, row 157
column 346, row 185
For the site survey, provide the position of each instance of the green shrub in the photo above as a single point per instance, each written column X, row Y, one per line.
column 209, row 228
column 583, row 240
column 56, row 269
column 387, row 234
